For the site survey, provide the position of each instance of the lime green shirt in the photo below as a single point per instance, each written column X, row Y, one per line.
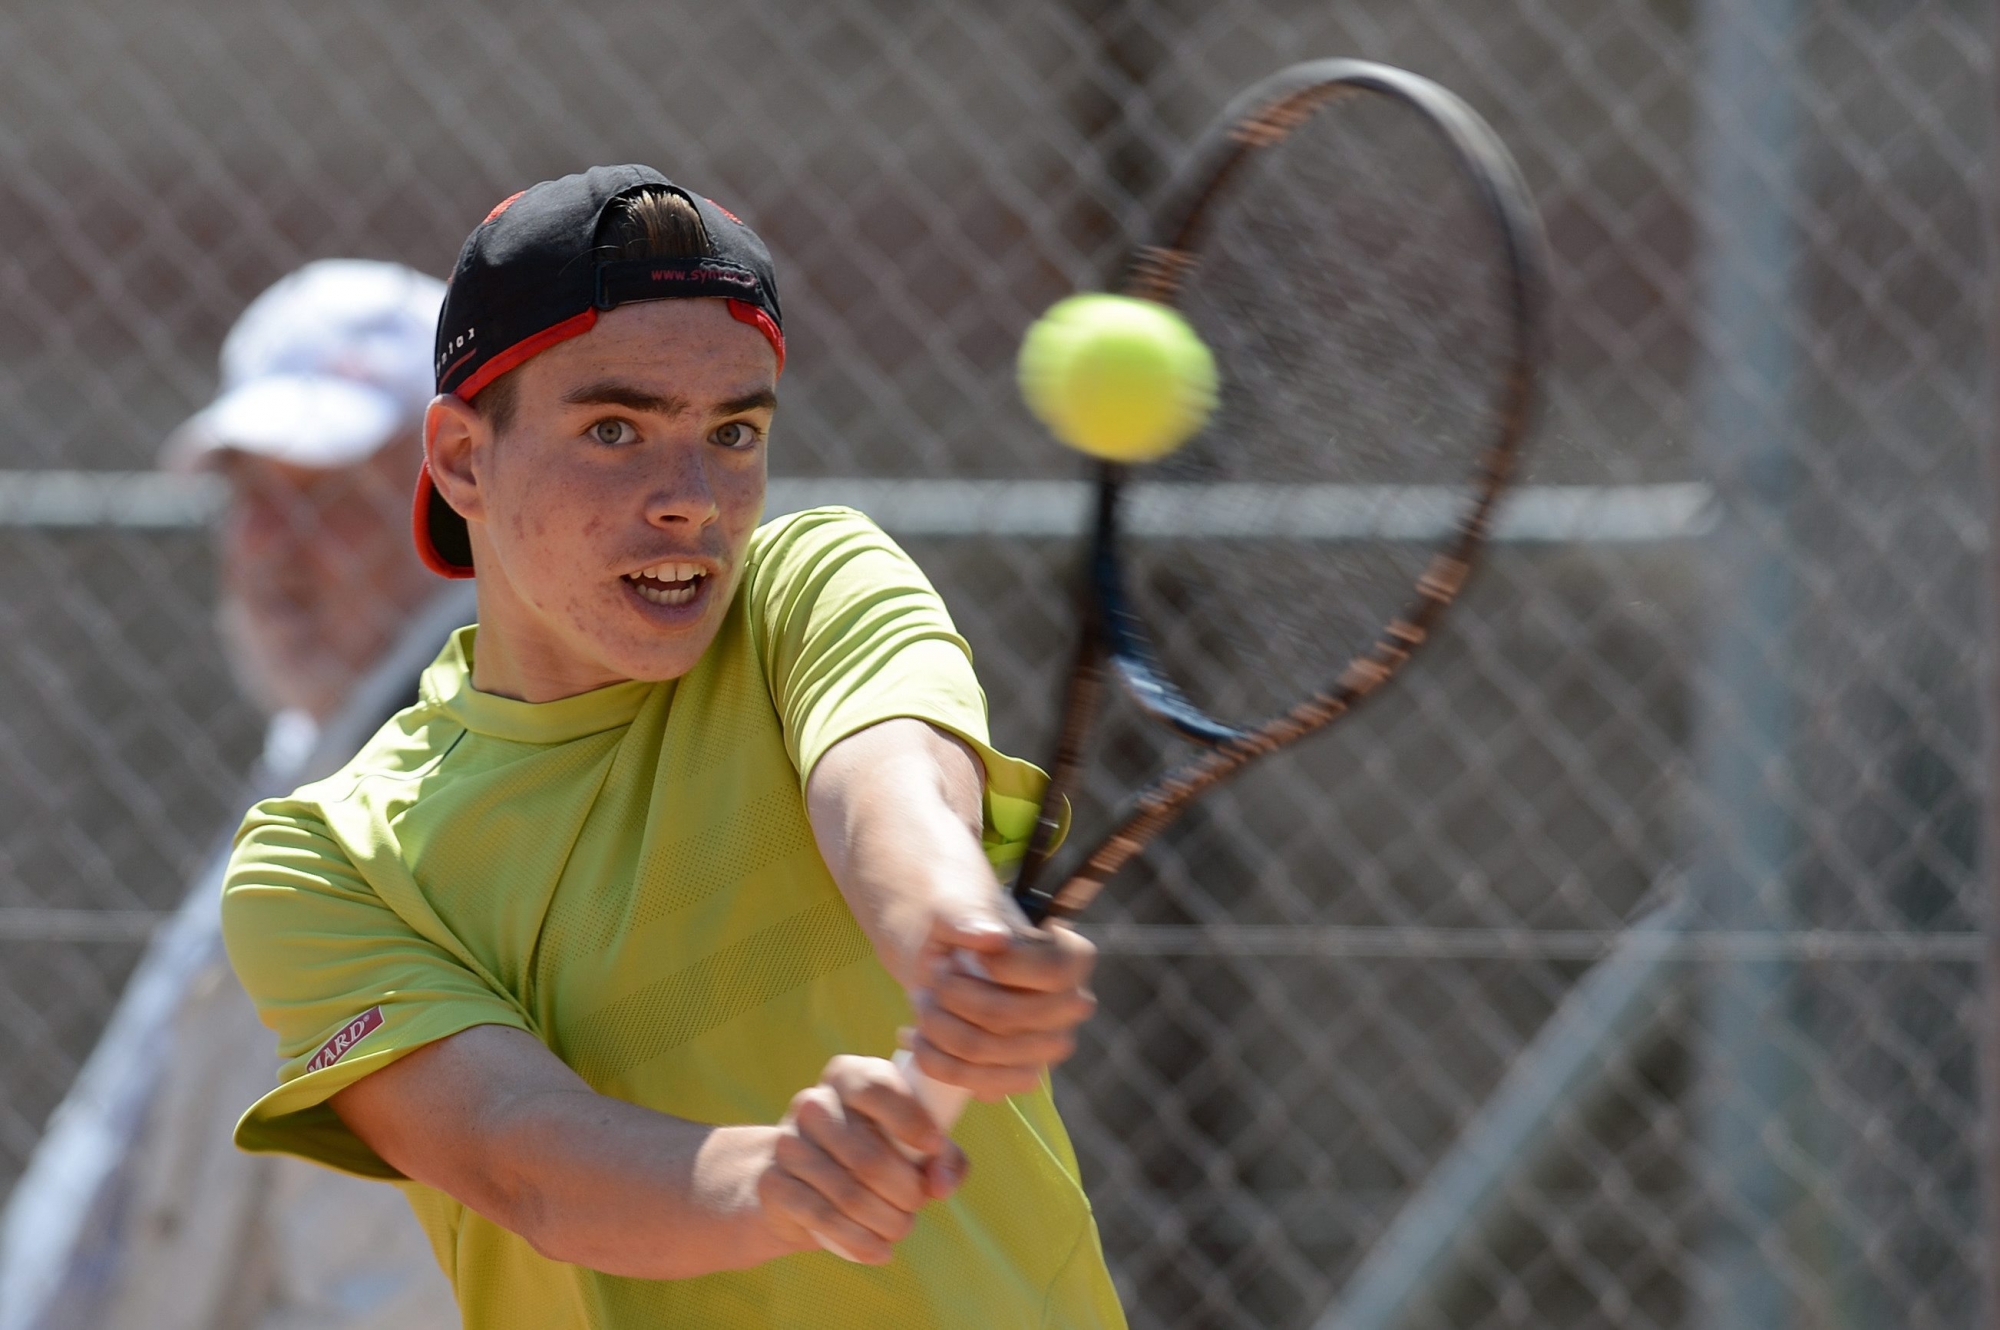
column 629, row 876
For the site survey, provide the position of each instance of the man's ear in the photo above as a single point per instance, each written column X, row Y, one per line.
column 455, row 435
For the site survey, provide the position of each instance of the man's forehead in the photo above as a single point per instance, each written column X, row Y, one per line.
column 668, row 401
column 247, row 471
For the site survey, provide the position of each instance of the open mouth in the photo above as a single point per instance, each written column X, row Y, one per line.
column 669, row 583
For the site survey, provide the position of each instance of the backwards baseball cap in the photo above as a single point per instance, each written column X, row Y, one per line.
column 532, row 275
column 322, row 369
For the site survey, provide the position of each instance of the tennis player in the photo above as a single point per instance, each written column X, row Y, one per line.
column 599, row 949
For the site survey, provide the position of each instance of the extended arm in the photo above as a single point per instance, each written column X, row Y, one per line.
column 896, row 810
column 493, row 1118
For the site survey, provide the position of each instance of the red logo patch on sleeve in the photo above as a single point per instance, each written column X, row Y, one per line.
column 350, row 1034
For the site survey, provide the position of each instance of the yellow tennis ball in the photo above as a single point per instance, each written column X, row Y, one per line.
column 1117, row 377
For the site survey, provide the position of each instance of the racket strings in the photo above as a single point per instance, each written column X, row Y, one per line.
column 1354, row 293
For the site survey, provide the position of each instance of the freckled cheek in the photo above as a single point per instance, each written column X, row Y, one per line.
column 740, row 497
column 561, row 510
column 581, row 608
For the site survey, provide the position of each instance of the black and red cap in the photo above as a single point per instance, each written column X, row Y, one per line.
column 531, row 276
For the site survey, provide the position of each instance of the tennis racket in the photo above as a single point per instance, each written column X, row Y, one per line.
column 1357, row 248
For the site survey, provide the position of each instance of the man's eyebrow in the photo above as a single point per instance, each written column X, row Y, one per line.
column 609, row 392
column 761, row 400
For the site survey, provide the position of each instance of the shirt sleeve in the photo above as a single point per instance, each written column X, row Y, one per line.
column 851, row 633
column 347, row 982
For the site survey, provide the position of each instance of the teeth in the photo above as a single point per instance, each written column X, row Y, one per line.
column 668, row 595
column 672, row 572
column 668, row 583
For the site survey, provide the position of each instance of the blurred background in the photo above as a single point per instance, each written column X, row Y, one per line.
column 1623, row 966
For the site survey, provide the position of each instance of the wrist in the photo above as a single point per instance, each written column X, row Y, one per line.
column 728, row 1175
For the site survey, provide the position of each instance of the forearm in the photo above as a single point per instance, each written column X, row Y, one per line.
column 490, row 1117
column 896, row 810
column 601, row 1183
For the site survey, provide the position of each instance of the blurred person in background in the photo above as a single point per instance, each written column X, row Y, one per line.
column 315, row 433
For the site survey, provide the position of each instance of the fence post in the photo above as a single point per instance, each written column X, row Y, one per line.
column 1746, row 184
column 1988, row 1033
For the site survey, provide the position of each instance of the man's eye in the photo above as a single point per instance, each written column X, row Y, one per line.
column 736, row 434
column 613, row 432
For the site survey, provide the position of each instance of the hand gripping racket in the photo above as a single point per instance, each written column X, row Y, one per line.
column 1358, row 250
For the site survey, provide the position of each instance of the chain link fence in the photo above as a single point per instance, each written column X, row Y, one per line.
column 1621, row 967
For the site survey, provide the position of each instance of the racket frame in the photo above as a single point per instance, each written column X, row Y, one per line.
column 1112, row 636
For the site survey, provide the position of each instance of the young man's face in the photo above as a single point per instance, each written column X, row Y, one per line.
column 611, row 516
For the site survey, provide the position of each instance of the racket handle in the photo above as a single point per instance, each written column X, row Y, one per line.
column 943, row 1102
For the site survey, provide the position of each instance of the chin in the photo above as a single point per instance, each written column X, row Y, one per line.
column 659, row 669
column 660, row 654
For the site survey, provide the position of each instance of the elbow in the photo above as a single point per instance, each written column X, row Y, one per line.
column 570, row 1234
column 521, row 1207
column 547, row 1243
column 557, row 1242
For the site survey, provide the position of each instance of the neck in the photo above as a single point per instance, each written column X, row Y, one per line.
column 518, row 656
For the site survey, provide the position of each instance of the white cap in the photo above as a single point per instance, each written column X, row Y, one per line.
column 322, row 369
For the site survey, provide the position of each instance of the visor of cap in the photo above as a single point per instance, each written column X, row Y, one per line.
column 304, row 420
column 443, row 542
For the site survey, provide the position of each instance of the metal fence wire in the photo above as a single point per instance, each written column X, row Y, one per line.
column 1620, row 967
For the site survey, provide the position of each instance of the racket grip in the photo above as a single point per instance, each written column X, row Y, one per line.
column 943, row 1102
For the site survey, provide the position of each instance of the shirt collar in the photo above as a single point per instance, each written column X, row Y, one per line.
column 447, row 684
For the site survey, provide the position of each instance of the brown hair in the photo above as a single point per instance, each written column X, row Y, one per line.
column 652, row 223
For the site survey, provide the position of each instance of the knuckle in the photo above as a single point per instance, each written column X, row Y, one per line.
column 956, row 995
column 935, row 1062
column 873, row 1072
column 926, row 1056
column 795, row 1198
column 956, row 992
column 965, row 1044
column 933, row 1024
column 865, row 1153
column 847, row 1191
column 866, row 1245
column 872, row 1102
column 907, row 1197
column 824, row 1176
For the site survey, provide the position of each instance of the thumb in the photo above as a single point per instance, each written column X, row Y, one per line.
column 970, row 926
column 944, row 1170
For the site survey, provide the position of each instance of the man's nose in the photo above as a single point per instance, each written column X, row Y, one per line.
column 681, row 493
column 260, row 520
